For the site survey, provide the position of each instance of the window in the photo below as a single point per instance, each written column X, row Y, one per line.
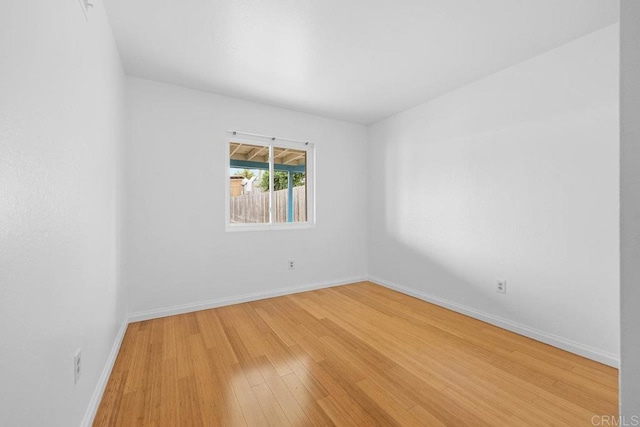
column 269, row 184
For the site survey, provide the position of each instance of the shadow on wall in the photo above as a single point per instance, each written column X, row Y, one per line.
column 414, row 266
column 434, row 249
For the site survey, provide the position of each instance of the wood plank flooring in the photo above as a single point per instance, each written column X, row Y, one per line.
column 358, row 354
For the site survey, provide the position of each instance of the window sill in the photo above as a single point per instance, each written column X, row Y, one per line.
column 269, row 227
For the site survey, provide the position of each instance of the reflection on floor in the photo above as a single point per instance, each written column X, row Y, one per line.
column 358, row 354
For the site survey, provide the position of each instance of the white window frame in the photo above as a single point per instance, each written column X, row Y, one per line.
column 310, row 176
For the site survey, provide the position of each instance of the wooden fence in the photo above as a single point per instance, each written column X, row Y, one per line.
column 254, row 207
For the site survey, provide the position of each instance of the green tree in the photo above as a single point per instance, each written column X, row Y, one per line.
column 281, row 180
column 247, row 173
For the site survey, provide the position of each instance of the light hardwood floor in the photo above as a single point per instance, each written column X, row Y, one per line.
column 358, row 354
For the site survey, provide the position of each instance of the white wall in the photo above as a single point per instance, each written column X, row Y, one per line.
column 177, row 250
column 630, row 208
column 61, row 125
column 513, row 177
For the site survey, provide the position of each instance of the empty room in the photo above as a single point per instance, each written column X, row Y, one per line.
column 337, row 213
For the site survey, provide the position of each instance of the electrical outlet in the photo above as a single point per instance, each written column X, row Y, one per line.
column 501, row 286
column 77, row 366
column 292, row 265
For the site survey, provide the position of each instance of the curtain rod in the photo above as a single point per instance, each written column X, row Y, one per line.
column 273, row 138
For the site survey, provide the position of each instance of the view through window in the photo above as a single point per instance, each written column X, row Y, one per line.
column 257, row 197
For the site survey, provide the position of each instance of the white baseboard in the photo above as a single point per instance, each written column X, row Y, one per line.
column 254, row 296
column 529, row 332
column 90, row 413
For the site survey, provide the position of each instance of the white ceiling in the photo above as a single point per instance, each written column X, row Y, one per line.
column 355, row 60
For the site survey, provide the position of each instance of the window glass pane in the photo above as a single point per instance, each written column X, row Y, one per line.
column 248, row 190
column 289, row 184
